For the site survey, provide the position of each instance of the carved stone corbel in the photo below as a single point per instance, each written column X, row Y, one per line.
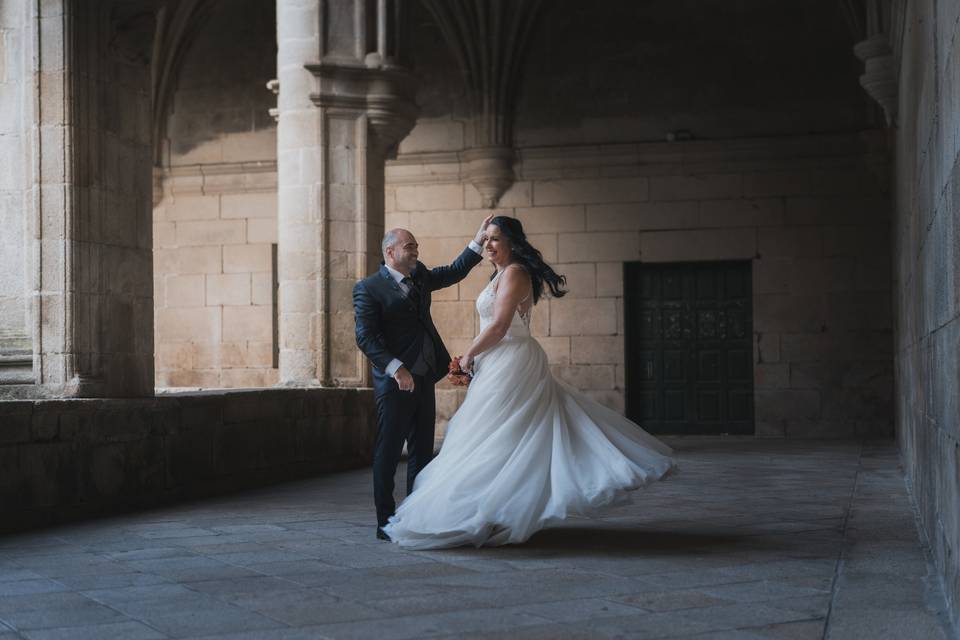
column 488, row 39
column 877, row 26
column 385, row 95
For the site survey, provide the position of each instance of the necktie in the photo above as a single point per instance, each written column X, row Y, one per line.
column 413, row 291
column 427, row 358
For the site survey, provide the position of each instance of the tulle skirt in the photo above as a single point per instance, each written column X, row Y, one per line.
column 523, row 451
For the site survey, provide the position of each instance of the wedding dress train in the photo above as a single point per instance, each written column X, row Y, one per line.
column 523, row 451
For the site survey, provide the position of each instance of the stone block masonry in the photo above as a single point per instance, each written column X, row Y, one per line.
column 214, row 275
column 61, row 459
column 812, row 214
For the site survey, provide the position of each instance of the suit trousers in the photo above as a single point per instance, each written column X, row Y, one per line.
column 402, row 416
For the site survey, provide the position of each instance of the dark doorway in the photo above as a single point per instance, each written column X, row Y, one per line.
column 689, row 349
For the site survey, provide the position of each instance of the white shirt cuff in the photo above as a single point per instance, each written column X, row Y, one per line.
column 476, row 248
column 392, row 368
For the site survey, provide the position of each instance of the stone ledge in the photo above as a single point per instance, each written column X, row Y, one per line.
column 218, row 178
column 815, row 151
column 62, row 459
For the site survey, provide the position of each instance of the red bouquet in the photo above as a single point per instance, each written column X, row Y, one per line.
column 457, row 376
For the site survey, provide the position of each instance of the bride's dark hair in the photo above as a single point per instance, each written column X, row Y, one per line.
column 530, row 259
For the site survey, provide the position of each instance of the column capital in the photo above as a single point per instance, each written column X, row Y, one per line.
column 387, row 95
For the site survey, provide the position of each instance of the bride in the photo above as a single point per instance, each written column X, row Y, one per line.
column 524, row 450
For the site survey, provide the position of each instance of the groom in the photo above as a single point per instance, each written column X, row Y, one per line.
column 395, row 331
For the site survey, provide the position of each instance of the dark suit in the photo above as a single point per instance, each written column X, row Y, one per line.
column 392, row 325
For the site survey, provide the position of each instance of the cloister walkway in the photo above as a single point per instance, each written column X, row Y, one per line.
column 752, row 539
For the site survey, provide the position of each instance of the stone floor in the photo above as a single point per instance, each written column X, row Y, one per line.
column 752, row 539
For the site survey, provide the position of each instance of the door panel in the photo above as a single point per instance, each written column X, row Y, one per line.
column 689, row 347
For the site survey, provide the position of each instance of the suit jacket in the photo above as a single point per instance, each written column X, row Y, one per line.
column 390, row 325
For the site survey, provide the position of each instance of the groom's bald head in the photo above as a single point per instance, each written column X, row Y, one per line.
column 392, row 237
column 400, row 250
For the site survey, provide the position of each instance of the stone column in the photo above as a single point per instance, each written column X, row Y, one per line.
column 89, row 204
column 17, row 121
column 344, row 103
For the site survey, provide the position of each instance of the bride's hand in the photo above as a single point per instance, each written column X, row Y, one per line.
column 466, row 363
column 481, row 236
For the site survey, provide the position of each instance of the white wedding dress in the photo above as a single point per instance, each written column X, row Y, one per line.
column 524, row 450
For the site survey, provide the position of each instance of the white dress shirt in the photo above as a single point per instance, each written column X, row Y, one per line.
column 395, row 364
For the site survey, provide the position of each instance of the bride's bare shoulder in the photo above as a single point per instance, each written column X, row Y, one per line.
column 516, row 272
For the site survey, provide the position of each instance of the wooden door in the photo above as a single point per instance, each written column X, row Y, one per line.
column 689, row 349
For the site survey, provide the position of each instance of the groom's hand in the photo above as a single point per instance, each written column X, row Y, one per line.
column 481, row 236
column 404, row 379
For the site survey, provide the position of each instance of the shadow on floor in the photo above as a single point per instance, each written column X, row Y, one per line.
column 618, row 542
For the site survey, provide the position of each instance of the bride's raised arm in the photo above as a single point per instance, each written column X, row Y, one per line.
column 513, row 287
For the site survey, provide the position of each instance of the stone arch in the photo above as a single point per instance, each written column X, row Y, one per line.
column 215, row 196
column 177, row 25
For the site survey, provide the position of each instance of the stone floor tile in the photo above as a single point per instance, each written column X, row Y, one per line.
column 743, row 615
column 401, row 628
column 117, row 595
column 309, row 607
column 150, row 553
column 194, row 622
column 16, row 575
column 431, row 602
column 111, row 581
column 29, row 587
column 293, row 568
column 193, row 568
column 303, row 633
column 535, row 632
column 82, row 613
column 734, row 634
column 574, row 610
column 885, row 624
column 262, row 556
column 671, row 600
column 179, row 532
column 645, row 626
column 40, row 602
column 255, row 587
column 802, row 630
column 817, row 606
column 759, row 591
column 419, row 570
column 128, row 630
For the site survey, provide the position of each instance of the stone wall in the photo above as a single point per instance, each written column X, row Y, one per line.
column 927, row 276
column 215, row 217
column 811, row 213
column 67, row 458
column 215, row 233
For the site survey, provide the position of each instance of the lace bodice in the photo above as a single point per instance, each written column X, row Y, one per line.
column 519, row 326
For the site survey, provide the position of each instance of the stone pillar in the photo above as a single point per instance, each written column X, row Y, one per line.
column 17, row 122
column 344, row 103
column 89, row 203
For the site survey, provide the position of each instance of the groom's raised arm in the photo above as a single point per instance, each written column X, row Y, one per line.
column 451, row 274
column 369, row 333
column 441, row 277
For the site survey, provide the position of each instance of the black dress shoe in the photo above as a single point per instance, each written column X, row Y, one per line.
column 382, row 535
